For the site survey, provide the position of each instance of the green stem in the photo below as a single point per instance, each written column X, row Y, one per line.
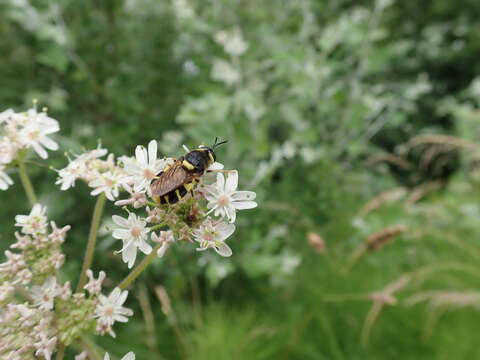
column 139, row 268
column 27, row 184
column 60, row 352
column 92, row 239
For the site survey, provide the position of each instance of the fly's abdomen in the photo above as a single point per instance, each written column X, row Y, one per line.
column 175, row 195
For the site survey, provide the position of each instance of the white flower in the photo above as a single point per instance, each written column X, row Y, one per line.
column 5, row 180
column 68, row 175
column 224, row 199
column 35, row 133
column 108, row 183
column 58, row 234
column 94, row 286
column 8, row 150
column 137, row 199
column 6, row 289
column 232, row 41
column 129, row 356
column 35, row 222
column 144, row 168
column 45, row 346
column 213, row 235
column 133, row 233
column 225, row 72
column 44, row 296
column 85, row 166
column 82, row 356
column 165, row 238
column 110, row 309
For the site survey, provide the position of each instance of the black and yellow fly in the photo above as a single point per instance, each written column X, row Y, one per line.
column 178, row 179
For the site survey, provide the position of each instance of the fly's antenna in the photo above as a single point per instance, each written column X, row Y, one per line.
column 217, row 144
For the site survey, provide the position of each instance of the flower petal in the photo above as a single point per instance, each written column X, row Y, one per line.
column 220, row 182
column 244, row 195
column 129, row 356
column 232, row 182
column 152, row 152
column 141, row 154
column 224, row 230
column 223, row 250
column 120, row 221
column 242, row 205
column 145, row 247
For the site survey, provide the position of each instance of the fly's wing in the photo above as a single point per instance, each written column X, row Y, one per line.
column 171, row 179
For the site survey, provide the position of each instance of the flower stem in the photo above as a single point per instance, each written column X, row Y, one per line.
column 27, row 184
column 60, row 352
column 92, row 239
column 139, row 268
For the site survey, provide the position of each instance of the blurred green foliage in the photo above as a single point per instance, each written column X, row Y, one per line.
column 323, row 88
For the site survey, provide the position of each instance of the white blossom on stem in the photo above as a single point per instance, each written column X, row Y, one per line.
column 45, row 346
column 35, row 222
column 165, row 238
column 44, row 296
column 224, row 199
column 94, row 286
column 133, row 232
column 108, row 183
column 136, row 199
column 110, row 310
column 212, row 234
column 142, row 169
column 36, row 131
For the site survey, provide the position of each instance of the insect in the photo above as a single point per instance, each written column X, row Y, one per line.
column 179, row 178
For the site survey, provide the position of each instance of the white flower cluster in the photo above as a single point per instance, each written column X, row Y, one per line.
column 104, row 176
column 22, row 131
column 38, row 313
column 186, row 220
column 133, row 175
column 234, row 45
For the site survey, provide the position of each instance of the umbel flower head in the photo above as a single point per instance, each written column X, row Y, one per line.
column 186, row 219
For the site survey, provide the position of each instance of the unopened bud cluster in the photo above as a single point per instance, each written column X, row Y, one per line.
column 40, row 312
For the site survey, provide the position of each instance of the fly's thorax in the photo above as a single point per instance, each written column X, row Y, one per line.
column 199, row 160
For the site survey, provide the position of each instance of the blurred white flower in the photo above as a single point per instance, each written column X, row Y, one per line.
column 103, row 175
column 58, row 234
column 35, row 222
column 36, row 130
column 224, row 199
column 8, row 150
column 232, row 41
column 108, row 183
column 5, row 180
column 133, row 233
column 45, row 346
column 94, row 286
column 82, row 356
column 129, row 356
column 43, row 296
column 142, row 169
column 110, row 309
column 225, row 72
column 213, row 235
column 136, row 199
column 165, row 238
column 68, row 175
